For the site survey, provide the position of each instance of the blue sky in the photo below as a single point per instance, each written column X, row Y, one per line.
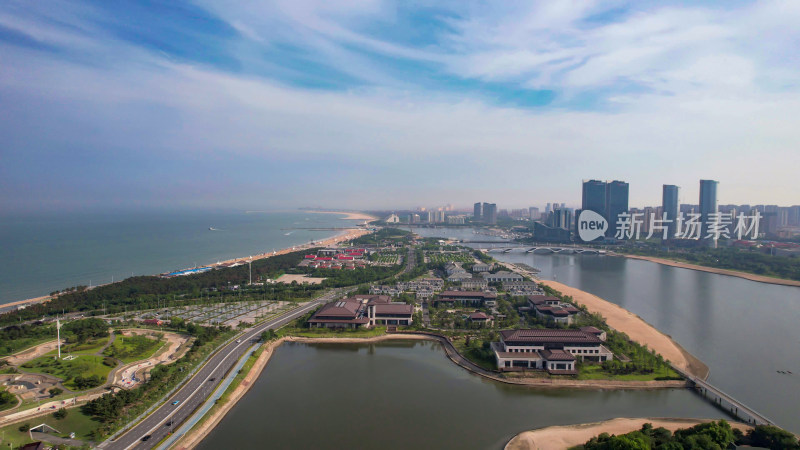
column 367, row 104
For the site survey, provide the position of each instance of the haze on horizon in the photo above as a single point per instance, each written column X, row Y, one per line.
column 381, row 104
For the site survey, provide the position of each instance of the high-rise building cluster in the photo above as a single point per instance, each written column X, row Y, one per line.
column 607, row 198
column 485, row 213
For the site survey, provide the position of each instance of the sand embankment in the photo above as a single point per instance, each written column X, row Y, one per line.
column 728, row 272
column 563, row 437
column 636, row 328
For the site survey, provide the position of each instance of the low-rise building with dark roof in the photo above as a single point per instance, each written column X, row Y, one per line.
column 552, row 308
column 473, row 298
column 548, row 349
column 480, row 318
column 344, row 313
column 502, row 277
column 393, row 313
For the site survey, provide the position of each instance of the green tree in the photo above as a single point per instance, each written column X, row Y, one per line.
column 60, row 414
column 55, row 391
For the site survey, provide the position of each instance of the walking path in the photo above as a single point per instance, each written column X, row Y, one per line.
column 564, row 437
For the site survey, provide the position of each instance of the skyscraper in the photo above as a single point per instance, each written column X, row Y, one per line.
column 669, row 205
column 616, row 204
column 477, row 212
column 490, row 213
column 594, row 196
column 708, row 203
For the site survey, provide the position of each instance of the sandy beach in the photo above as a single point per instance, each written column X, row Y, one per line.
column 349, row 215
column 344, row 235
column 563, row 437
column 731, row 273
column 636, row 328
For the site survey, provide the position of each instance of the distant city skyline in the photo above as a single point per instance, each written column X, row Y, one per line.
column 377, row 104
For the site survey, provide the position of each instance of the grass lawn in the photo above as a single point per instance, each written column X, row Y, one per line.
column 473, row 355
column 87, row 348
column 596, row 372
column 75, row 422
column 129, row 349
column 83, row 365
column 331, row 333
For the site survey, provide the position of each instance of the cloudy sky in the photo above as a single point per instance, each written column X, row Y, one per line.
column 366, row 104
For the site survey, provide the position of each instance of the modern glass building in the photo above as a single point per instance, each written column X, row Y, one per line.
column 477, row 212
column 616, row 204
column 594, row 196
column 490, row 213
column 669, row 206
column 708, row 203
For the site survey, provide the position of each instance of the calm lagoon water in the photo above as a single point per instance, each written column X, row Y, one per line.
column 743, row 330
column 407, row 394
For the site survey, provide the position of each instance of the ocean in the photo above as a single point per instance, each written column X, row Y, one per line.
column 43, row 253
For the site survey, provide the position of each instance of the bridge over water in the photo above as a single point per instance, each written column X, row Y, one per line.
column 549, row 249
column 726, row 402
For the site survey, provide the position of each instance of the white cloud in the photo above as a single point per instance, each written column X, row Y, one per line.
column 704, row 113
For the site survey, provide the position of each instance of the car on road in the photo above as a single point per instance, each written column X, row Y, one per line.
column 211, row 379
column 238, row 341
column 176, row 402
column 146, row 438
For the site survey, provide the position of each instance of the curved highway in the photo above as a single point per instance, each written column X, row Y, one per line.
column 155, row 427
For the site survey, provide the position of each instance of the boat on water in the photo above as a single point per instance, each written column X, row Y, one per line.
column 213, row 229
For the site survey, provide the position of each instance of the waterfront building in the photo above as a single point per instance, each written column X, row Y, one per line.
column 477, row 212
column 561, row 218
column 456, row 220
column 502, row 277
column 392, row 218
column 669, row 205
column 465, row 297
column 389, row 313
column 555, row 351
column 616, row 204
column 594, row 196
column 362, row 310
column 533, row 213
column 344, row 313
column 708, row 204
column 490, row 213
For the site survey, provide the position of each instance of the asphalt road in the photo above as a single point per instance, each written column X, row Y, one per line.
column 169, row 417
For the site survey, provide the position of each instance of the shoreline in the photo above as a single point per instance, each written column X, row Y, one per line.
column 561, row 437
column 348, row 215
column 636, row 328
column 195, row 436
column 342, row 235
column 718, row 271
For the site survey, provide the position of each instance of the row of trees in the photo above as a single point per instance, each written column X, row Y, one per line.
column 728, row 258
column 707, row 436
column 143, row 292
